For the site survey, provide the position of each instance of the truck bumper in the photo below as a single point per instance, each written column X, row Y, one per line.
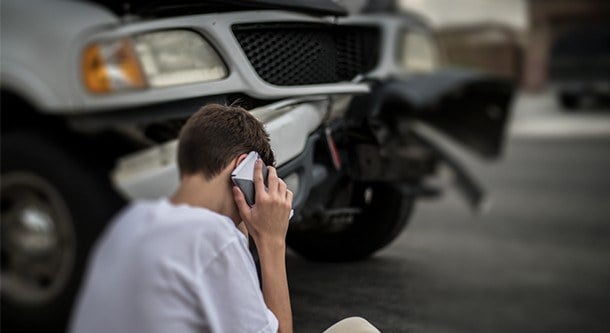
column 153, row 173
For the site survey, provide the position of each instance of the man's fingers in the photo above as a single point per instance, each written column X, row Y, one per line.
column 240, row 201
column 281, row 187
column 272, row 180
column 259, row 184
column 289, row 197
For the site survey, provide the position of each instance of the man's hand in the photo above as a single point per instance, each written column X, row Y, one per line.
column 267, row 223
column 267, row 220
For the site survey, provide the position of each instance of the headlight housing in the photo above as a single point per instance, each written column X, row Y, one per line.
column 419, row 52
column 155, row 59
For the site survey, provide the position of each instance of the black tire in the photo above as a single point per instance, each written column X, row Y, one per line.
column 383, row 215
column 78, row 201
column 569, row 101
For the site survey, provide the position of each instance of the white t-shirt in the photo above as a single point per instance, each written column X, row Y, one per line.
column 171, row 268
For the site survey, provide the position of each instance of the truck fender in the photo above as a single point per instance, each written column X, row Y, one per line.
column 470, row 107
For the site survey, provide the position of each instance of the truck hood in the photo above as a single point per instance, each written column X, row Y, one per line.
column 163, row 8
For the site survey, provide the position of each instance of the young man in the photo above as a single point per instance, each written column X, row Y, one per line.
column 182, row 264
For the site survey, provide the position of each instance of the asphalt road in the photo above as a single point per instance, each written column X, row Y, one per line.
column 537, row 261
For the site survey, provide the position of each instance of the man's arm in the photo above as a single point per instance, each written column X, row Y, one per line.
column 267, row 223
column 275, row 283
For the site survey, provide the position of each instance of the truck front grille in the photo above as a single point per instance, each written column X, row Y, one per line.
column 289, row 54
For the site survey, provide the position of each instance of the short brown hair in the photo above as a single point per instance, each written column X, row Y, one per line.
column 215, row 135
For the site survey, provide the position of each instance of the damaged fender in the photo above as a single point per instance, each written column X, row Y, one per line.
column 470, row 107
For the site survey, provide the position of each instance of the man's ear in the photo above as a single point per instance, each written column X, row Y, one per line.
column 240, row 159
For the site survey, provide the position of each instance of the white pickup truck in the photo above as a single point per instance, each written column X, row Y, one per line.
column 94, row 94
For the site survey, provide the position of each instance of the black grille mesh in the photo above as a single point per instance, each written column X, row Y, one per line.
column 288, row 54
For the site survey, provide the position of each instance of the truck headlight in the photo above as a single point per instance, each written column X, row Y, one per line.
column 178, row 57
column 419, row 53
column 156, row 59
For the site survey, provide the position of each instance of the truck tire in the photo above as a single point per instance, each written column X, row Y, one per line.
column 53, row 208
column 384, row 212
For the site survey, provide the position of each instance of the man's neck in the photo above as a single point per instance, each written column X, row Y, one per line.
column 196, row 191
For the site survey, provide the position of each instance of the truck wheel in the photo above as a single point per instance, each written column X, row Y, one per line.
column 53, row 207
column 359, row 219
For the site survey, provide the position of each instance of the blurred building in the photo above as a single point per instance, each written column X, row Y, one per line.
column 478, row 34
column 548, row 20
column 491, row 47
column 441, row 13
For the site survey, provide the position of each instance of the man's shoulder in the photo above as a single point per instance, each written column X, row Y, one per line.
column 194, row 218
column 162, row 224
column 191, row 225
column 161, row 212
column 158, row 235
